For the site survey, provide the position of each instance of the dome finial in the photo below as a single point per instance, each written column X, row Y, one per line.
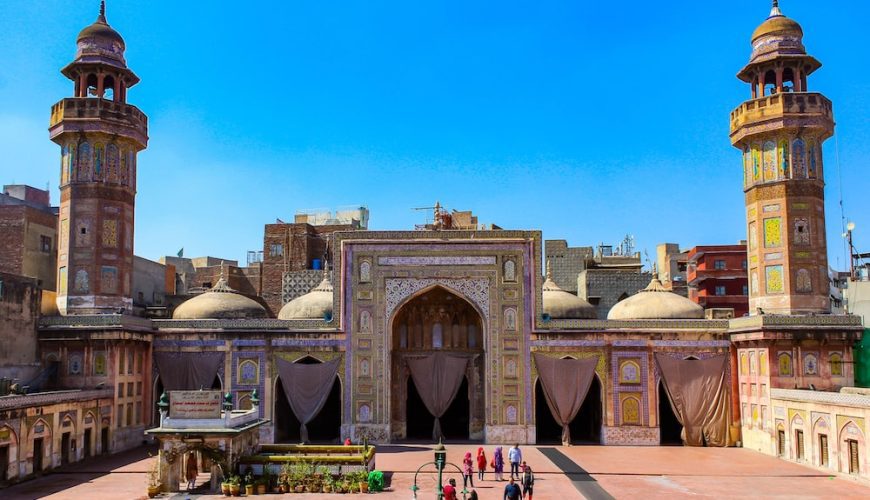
column 774, row 10
column 102, row 17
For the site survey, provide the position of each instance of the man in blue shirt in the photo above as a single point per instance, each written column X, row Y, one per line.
column 512, row 491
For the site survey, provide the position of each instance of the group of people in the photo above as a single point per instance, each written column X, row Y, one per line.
column 520, row 484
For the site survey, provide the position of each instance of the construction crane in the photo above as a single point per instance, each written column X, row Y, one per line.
column 441, row 218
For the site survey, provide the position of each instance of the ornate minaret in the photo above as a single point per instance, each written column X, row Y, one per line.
column 99, row 135
column 780, row 131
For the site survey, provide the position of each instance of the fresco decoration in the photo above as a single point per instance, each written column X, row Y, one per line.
column 510, row 271
column 811, row 364
column 799, row 159
column 100, row 363
column 81, row 284
column 110, row 233
column 629, row 371
column 753, row 235
column 801, row 231
column 836, row 364
column 756, row 165
column 773, row 277
column 803, row 282
column 631, row 408
column 772, row 232
column 62, row 281
column 109, row 279
column 769, row 161
column 813, row 173
column 783, row 160
column 248, row 371
column 785, row 364
column 365, row 271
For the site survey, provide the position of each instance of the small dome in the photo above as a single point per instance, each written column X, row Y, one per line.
column 316, row 304
column 100, row 43
column 656, row 302
column 777, row 24
column 221, row 302
column 560, row 304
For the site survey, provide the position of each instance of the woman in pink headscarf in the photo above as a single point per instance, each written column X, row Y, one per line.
column 467, row 470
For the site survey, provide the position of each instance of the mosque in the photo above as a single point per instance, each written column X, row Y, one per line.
column 455, row 332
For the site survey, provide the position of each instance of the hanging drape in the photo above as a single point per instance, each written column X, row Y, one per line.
column 565, row 383
column 188, row 371
column 698, row 393
column 437, row 378
column 307, row 388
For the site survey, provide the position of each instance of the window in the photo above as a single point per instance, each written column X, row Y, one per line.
column 138, row 388
column 799, row 444
column 720, row 290
column 719, row 264
column 823, row 450
column 120, row 389
column 120, row 362
column 45, row 244
column 129, row 413
column 276, row 250
column 853, row 456
column 119, row 418
column 129, row 389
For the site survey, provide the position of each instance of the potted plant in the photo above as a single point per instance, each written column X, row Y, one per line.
column 154, row 479
column 225, row 488
column 376, row 481
column 235, row 485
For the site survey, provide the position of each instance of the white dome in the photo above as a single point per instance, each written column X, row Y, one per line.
column 316, row 304
column 656, row 302
column 221, row 302
column 560, row 304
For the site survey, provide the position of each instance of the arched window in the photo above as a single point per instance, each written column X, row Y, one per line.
column 813, row 172
column 788, row 80
column 109, row 88
column 91, row 82
column 770, row 83
column 112, row 163
column 783, row 160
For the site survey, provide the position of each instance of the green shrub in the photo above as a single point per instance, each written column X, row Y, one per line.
column 376, row 481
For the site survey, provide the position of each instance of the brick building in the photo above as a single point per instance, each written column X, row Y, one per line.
column 717, row 277
column 28, row 234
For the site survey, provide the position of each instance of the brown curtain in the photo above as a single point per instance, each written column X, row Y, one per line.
column 698, row 393
column 307, row 388
column 437, row 378
column 189, row 371
column 566, row 383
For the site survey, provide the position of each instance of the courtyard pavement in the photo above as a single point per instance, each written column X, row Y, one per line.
column 562, row 473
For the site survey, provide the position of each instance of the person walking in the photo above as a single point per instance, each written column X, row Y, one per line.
column 515, row 456
column 467, row 470
column 191, row 471
column 512, row 491
column 498, row 464
column 449, row 490
column 481, row 463
column 527, row 481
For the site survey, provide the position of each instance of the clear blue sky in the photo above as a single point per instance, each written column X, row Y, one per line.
column 585, row 119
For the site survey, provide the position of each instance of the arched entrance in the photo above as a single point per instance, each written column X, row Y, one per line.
column 669, row 427
column 325, row 428
column 437, row 320
column 586, row 426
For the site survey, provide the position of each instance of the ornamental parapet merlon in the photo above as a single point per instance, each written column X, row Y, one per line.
column 74, row 114
column 780, row 106
column 832, row 398
column 52, row 397
column 632, row 325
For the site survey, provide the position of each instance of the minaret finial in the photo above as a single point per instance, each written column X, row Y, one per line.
column 774, row 10
column 102, row 17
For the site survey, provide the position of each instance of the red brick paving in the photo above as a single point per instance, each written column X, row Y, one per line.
column 624, row 472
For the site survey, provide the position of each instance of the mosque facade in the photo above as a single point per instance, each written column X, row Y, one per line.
column 456, row 333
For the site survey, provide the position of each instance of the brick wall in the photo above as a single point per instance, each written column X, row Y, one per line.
column 605, row 287
column 19, row 311
column 12, row 224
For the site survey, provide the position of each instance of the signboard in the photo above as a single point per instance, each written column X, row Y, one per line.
column 195, row 404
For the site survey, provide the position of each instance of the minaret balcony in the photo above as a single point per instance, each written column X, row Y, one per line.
column 782, row 110
column 80, row 114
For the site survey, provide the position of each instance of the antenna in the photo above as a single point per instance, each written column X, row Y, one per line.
column 846, row 249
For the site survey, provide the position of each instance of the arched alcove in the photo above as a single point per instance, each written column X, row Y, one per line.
column 325, row 428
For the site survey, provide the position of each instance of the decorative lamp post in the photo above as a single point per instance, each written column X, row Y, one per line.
column 255, row 398
column 440, row 461
column 163, row 407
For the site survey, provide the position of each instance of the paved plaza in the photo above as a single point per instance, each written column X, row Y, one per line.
column 595, row 472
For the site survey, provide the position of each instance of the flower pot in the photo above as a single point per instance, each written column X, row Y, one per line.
column 235, row 489
column 327, row 488
column 363, row 487
column 299, row 488
column 261, row 489
column 249, row 489
column 153, row 491
column 225, row 489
